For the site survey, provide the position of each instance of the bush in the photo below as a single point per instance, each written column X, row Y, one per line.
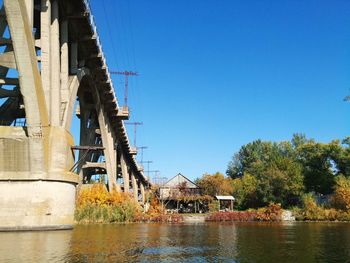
column 97, row 205
column 311, row 211
column 341, row 197
column 214, row 206
column 271, row 213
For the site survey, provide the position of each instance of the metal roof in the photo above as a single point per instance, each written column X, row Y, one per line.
column 225, row 197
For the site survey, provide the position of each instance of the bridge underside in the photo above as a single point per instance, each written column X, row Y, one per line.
column 52, row 67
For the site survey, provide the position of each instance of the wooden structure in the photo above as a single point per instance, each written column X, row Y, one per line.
column 180, row 194
column 225, row 202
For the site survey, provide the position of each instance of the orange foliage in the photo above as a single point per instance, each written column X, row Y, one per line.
column 155, row 208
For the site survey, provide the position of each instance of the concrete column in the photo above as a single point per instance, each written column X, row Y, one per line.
column 65, row 94
column 30, row 11
column 134, row 186
column 108, row 143
column 45, row 41
column 143, row 195
column 55, row 104
column 73, row 58
column 125, row 173
column 87, row 134
column 118, row 186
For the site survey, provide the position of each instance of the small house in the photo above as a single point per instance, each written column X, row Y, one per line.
column 180, row 194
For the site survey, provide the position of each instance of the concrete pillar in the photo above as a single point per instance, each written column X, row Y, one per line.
column 65, row 93
column 45, row 42
column 143, row 195
column 73, row 58
column 35, row 197
column 116, row 157
column 55, row 97
column 125, row 173
column 30, row 11
column 87, row 134
column 108, row 144
column 135, row 189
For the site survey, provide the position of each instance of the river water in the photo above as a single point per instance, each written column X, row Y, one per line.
column 212, row 242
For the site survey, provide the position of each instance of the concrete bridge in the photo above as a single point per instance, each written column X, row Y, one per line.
column 51, row 67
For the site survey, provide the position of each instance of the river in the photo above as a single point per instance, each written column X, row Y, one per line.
column 212, row 242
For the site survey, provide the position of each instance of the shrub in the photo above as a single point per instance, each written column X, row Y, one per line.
column 341, row 197
column 97, row 205
column 311, row 211
column 271, row 213
column 214, row 206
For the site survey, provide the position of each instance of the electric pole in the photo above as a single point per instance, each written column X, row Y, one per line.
column 135, row 124
column 142, row 148
column 126, row 74
column 148, row 162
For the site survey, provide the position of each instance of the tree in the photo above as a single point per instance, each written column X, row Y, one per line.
column 283, row 171
column 215, row 184
column 276, row 172
column 244, row 192
column 281, row 182
column 249, row 158
column 341, row 198
column 319, row 168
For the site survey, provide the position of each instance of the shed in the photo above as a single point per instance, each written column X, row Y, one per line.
column 175, row 185
column 224, row 200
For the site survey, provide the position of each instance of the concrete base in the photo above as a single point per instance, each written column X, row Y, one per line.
column 36, row 205
column 37, row 189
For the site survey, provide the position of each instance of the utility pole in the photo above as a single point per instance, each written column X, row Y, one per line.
column 135, row 124
column 126, row 74
column 148, row 162
column 142, row 148
column 158, row 179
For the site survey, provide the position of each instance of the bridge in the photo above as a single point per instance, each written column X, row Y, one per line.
column 51, row 68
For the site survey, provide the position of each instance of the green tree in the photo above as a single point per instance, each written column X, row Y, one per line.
column 319, row 168
column 245, row 192
column 250, row 157
column 281, row 182
column 276, row 172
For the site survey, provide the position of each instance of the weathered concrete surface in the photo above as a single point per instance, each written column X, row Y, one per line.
column 36, row 204
column 31, row 197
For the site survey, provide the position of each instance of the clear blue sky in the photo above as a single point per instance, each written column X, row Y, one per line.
column 215, row 75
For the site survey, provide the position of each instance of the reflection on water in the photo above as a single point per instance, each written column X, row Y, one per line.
column 51, row 246
column 214, row 242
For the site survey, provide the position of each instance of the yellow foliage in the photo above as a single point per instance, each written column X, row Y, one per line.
column 155, row 208
column 97, row 194
column 341, row 198
column 96, row 204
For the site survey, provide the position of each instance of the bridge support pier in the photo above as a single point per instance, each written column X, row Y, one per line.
column 40, row 197
column 125, row 173
column 143, row 195
column 59, row 61
column 134, row 187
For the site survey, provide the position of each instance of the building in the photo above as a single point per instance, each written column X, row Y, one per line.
column 180, row 194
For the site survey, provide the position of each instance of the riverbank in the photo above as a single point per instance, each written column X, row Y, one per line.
column 97, row 205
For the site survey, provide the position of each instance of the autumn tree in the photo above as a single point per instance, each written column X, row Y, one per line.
column 215, row 184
